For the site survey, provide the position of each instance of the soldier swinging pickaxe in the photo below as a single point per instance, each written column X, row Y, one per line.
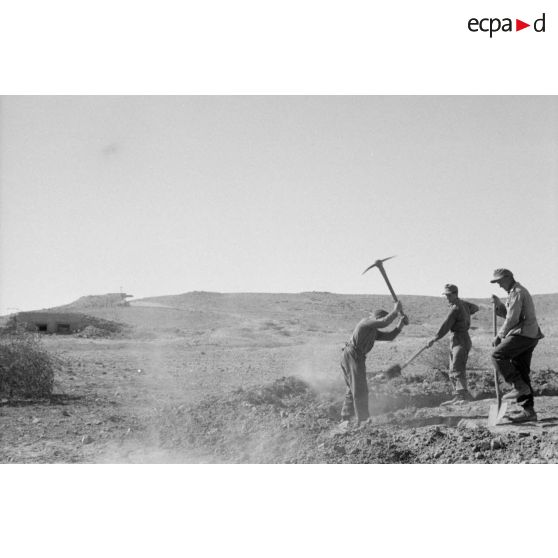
column 380, row 265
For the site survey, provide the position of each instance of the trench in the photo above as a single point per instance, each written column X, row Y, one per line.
column 388, row 403
column 381, row 404
column 451, row 421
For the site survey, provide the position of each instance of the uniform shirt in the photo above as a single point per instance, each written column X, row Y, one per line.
column 366, row 333
column 519, row 314
column 459, row 318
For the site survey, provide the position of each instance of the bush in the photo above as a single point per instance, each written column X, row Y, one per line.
column 26, row 367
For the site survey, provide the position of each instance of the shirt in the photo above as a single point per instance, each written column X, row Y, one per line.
column 366, row 333
column 459, row 318
column 519, row 314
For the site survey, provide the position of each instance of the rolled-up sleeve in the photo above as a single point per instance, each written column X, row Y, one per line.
column 388, row 335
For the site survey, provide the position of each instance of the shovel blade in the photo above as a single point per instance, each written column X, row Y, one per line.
column 393, row 372
column 496, row 413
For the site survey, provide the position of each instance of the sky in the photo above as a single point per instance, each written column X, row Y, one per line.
column 157, row 195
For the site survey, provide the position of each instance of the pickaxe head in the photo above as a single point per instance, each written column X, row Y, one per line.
column 377, row 263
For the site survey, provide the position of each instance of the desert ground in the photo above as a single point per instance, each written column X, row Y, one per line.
column 255, row 378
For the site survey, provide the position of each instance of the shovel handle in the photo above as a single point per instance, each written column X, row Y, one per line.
column 495, row 331
column 404, row 365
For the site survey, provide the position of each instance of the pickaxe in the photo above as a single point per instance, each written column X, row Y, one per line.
column 380, row 265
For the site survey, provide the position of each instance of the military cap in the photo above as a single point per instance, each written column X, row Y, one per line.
column 501, row 273
column 449, row 288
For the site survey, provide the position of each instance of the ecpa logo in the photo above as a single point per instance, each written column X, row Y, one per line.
column 493, row 25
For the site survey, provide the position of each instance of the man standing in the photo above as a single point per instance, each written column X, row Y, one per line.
column 353, row 361
column 515, row 342
column 458, row 322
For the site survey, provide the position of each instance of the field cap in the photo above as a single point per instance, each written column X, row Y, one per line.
column 379, row 314
column 500, row 273
column 450, row 289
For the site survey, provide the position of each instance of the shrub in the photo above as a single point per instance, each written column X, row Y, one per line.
column 26, row 367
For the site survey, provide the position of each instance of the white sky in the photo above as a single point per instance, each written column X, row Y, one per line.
column 163, row 195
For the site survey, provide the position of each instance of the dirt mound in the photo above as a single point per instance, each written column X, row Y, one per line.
column 289, row 422
column 100, row 328
column 277, row 423
column 393, row 439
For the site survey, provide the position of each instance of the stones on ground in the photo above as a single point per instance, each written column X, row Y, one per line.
column 468, row 424
column 341, row 428
column 288, row 424
column 496, row 443
column 548, row 452
column 87, row 440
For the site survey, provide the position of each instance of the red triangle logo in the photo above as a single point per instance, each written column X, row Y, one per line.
column 519, row 25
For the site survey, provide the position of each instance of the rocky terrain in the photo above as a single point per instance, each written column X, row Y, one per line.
column 254, row 378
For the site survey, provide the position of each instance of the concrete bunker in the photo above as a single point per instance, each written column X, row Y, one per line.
column 61, row 323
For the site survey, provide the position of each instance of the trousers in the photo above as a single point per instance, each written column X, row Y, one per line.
column 460, row 345
column 512, row 359
column 353, row 366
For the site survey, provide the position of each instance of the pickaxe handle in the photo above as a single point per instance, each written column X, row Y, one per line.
column 393, row 295
column 384, row 275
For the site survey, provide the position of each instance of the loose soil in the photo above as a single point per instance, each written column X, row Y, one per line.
column 262, row 386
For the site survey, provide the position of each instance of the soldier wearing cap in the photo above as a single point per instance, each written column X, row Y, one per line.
column 458, row 322
column 515, row 342
column 353, row 360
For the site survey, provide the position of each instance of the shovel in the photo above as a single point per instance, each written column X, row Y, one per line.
column 496, row 412
column 395, row 370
